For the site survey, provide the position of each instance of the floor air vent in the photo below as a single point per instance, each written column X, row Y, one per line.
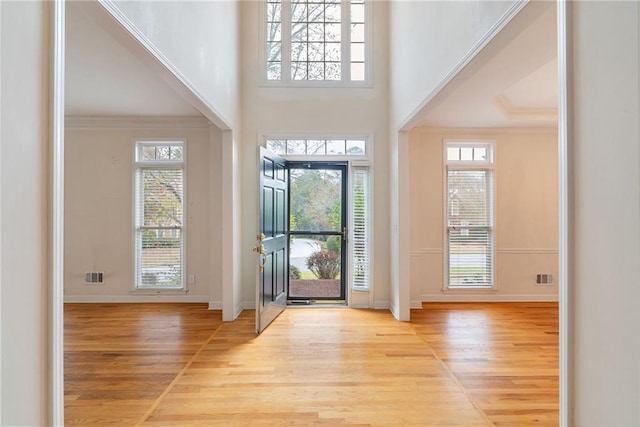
column 94, row 278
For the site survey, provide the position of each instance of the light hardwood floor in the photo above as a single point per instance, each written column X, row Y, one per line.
column 178, row 364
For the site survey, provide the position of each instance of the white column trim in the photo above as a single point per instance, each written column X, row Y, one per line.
column 404, row 245
column 230, row 231
column 0, row 217
column 56, row 219
column 564, row 206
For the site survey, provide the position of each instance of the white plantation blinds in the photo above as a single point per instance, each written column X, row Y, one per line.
column 159, row 215
column 469, row 225
column 360, row 216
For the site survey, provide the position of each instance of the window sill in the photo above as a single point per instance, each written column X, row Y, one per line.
column 315, row 84
column 157, row 291
column 481, row 290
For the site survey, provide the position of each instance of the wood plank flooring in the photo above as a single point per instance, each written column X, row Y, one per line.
column 505, row 355
column 175, row 365
column 119, row 358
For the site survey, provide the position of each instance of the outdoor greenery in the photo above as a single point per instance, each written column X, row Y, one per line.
column 324, row 264
column 294, row 272
column 315, row 200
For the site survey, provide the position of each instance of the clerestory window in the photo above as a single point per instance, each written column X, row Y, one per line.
column 311, row 41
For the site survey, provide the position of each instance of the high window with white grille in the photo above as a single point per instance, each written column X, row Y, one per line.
column 159, row 215
column 469, row 215
column 316, row 41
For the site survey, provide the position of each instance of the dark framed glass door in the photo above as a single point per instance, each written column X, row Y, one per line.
column 317, row 231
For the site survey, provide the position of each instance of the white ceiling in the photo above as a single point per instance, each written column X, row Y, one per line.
column 512, row 82
column 103, row 78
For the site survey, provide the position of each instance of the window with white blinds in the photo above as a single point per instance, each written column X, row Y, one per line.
column 469, row 201
column 360, row 197
column 159, row 215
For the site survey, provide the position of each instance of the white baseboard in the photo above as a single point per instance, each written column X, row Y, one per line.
column 135, row 298
column 360, row 306
column 215, row 305
column 415, row 304
column 382, row 305
column 481, row 298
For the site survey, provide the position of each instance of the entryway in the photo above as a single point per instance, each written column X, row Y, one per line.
column 317, row 232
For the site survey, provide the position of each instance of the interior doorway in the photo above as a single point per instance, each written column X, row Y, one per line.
column 317, row 232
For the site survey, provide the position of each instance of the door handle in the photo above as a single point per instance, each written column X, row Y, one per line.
column 264, row 259
column 344, row 233
column 259, row 249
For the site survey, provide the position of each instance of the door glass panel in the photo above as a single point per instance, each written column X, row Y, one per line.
column 315, row 266
column 317, row 219
column 315, row 200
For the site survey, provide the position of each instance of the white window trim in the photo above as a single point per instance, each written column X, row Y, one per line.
column 353, row 161
column 286, row 81
column 366, row 158
column 491, row 165
column 136, row 164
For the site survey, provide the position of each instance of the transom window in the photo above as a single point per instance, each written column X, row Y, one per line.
column 469, row 219
column 159, row 215
column 317, row 147
column 316, row 40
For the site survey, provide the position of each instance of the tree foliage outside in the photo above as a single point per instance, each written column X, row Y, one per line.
column 324, row 264
column 316, row 200
column 162, row 206
column 469, row 203
column 315, row 52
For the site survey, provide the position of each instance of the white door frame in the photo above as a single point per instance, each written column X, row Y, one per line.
column 56, row 218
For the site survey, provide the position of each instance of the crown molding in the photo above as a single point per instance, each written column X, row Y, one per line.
column 524, row 113
column 474, row 132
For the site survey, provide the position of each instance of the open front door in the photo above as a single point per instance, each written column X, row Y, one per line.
column 272, row 246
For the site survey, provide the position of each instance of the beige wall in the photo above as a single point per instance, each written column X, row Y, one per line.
column 328, row 111
column 98, row 209
column 605, row 214
column 526, row 213
column 24, row 52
